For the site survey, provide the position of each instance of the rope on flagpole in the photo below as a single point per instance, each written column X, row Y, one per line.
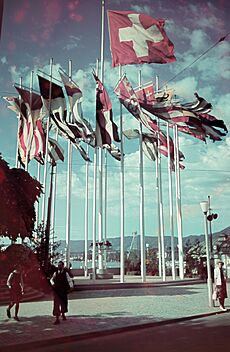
column 197, row 59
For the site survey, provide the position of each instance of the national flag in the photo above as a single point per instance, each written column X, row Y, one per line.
column 138, row 38
column 113, row 150
column 145, row 94
column 1, row 15
column 56, row 106
column 154, row 143
column 150, row 101
column 128, row 98
column 25, row 127
column 56, row 152
column 200, row 106
column 74, row 95
column 81, row 150
column 106, row 129
column 34, row 106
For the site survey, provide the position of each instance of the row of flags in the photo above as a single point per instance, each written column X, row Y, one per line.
column 134, row 39
column 143, row 103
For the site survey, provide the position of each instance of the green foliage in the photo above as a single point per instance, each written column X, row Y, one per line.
column 38, row 246
column 19, row 191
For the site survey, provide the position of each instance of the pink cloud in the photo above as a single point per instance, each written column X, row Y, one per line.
column 20, row 14
column 75, row 17
column 72, row 8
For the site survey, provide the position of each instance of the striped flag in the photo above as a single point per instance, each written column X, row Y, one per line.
column 74, row 95
column 200, row 106
column 25, row 127
column 106, row 129
column 56, row 152
column 34, row 105
column 56, row 106
column 151, row 146
column 128, row 98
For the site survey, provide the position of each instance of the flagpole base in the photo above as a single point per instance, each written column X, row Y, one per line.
column 103, row 274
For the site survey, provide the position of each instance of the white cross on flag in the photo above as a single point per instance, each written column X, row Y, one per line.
column 138, row 39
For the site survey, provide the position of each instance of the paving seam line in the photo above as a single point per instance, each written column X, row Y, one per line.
column 33, row 345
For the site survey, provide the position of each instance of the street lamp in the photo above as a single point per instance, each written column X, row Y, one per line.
column 205, row 207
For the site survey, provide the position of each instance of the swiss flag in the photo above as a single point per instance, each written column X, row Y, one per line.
column 137, row 39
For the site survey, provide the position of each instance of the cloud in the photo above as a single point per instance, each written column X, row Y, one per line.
column 4, row 60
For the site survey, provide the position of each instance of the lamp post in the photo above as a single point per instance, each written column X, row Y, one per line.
column 205, row 207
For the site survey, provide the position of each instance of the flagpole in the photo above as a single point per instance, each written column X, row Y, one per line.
column 94, row 218
column 28, row 147
column 158, row 201
column 171, row 206
column 105, row 209
column 54, row 197
column 122, row 192
column 142, row 224
column 47, row 141
column 94, row 214
column 100, row 171
column 178, row 202
column 68, row 190
column 37, row 203
column 16, row 160
column 86, row 213
column 161, row 207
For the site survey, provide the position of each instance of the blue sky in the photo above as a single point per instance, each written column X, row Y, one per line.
column 35, row 31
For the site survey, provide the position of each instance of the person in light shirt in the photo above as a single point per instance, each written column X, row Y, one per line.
column 15, row 285
column 220, row 284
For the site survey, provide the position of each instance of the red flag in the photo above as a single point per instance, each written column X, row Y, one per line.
column 137, row 39
column 33, row 104
column 128, row 98
column 106, row 129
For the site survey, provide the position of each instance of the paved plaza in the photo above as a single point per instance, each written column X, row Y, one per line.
column 94, row 312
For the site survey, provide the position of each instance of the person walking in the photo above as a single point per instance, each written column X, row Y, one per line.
column 15, row 285
column 220, row 284
column 61, row 283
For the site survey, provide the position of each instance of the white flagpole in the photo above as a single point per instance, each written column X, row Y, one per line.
column 86, row 213
column 28, row 147
column 68, row 190
column 100, row 171
column 179, row 213
column 94, row 214
column 47, row 141
column 54, row 199
column 159, row 223
column 94, row 218
column 142, row 220
column 122, row 193
column 171, row 206
column 38, row 204
column 105, row 209
column 161, row 208
column 16, row 160
column 158, row 203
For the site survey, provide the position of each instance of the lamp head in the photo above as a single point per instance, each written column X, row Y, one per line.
column 204, row 206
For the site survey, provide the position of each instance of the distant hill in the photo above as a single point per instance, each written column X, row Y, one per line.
column 78, row 245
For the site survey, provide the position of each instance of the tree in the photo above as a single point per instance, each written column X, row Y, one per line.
column 19, row 191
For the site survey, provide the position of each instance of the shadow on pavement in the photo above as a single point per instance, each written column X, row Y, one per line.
column 148, row 291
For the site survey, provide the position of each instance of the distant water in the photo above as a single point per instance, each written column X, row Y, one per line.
column 80, row 265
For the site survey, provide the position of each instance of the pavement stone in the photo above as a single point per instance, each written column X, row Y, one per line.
column 95, row 312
